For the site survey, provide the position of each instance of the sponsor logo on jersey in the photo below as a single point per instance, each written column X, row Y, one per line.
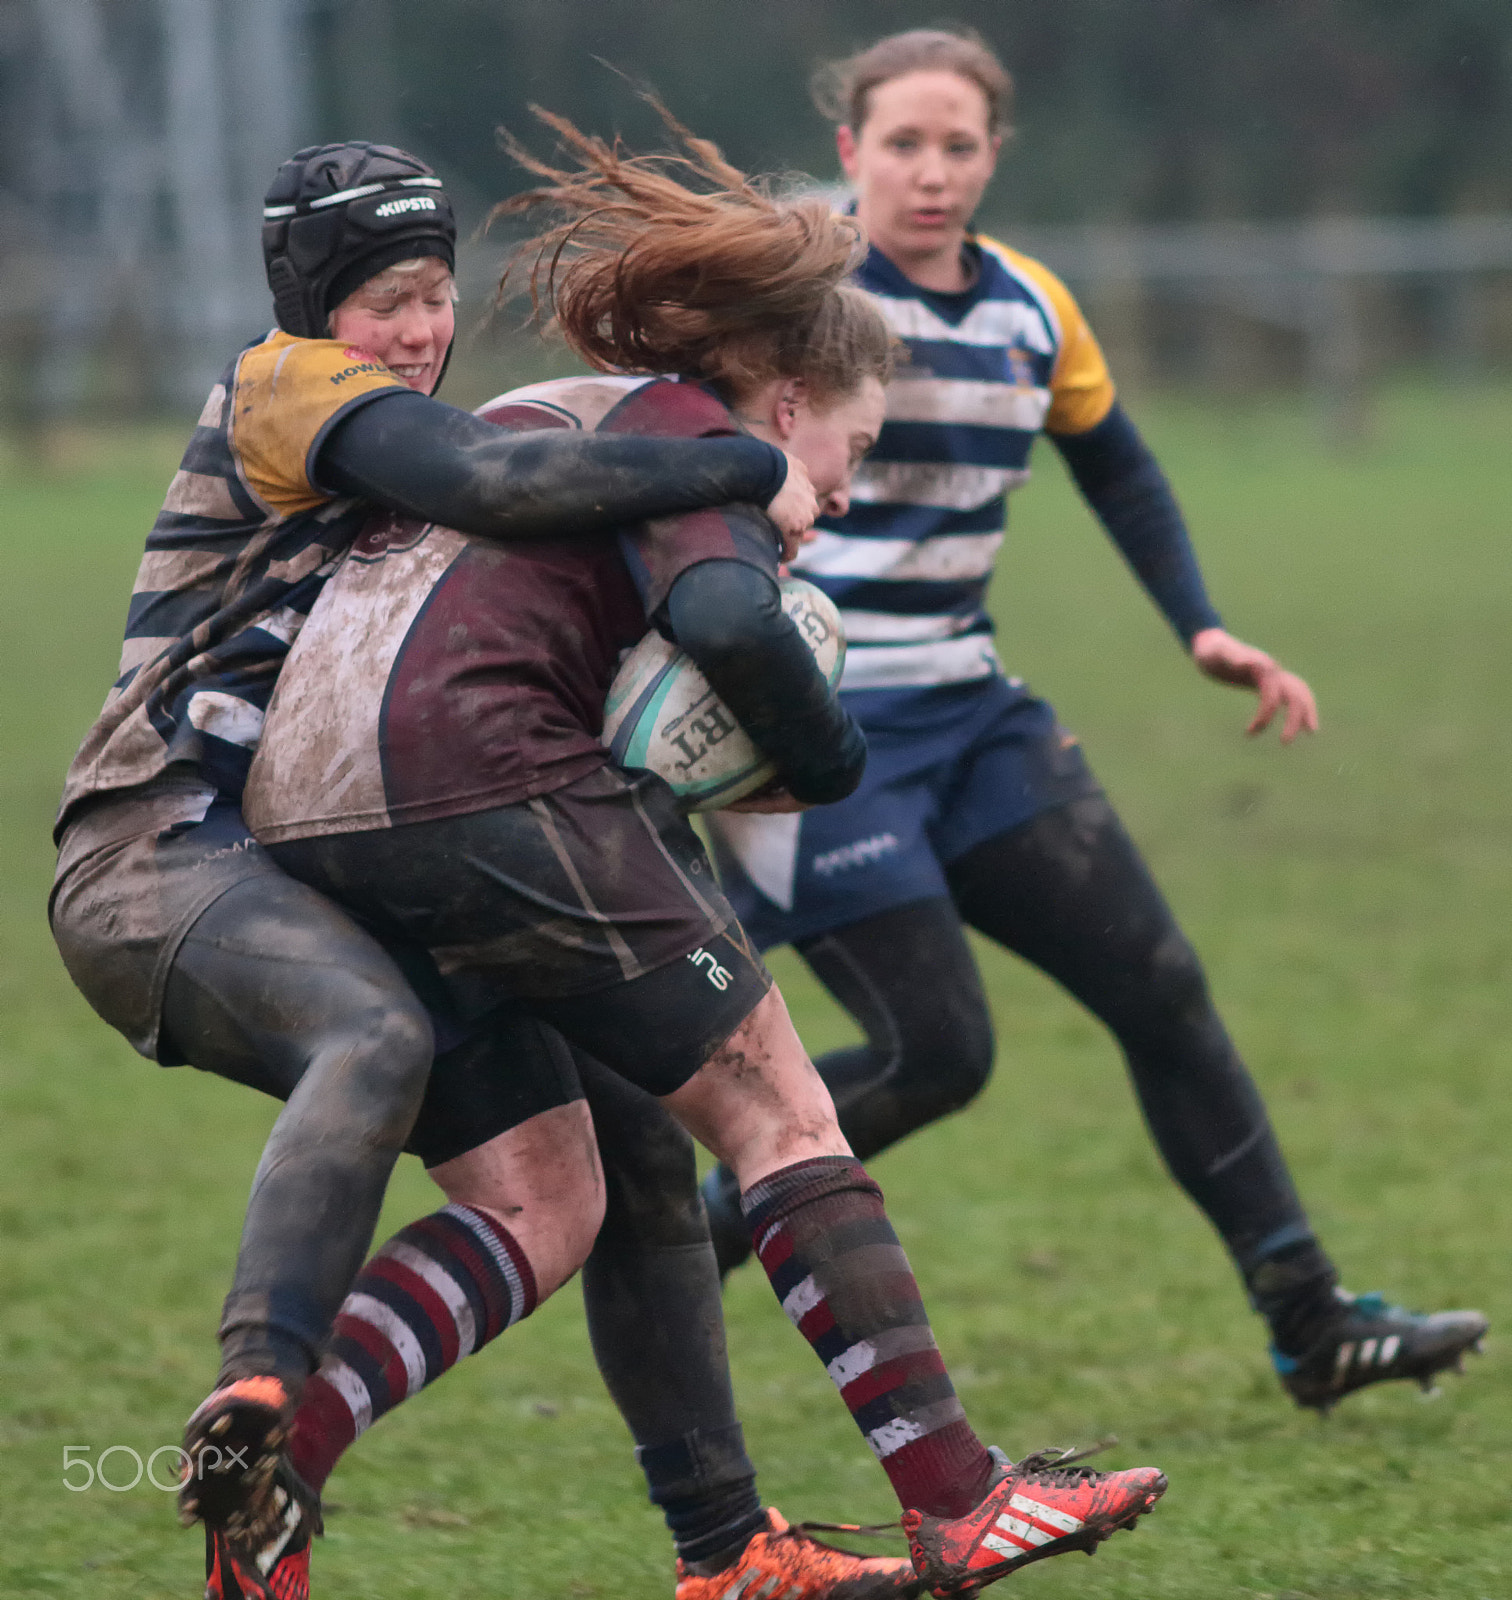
column 361, row 367
column 412, row 202
column 859, row 853
column 1021, row 371
column 717, row 975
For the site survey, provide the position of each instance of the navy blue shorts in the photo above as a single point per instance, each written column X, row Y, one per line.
column 948, row 768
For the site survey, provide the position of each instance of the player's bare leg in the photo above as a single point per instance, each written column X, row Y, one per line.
column 525, row 1209
column 819, row 1229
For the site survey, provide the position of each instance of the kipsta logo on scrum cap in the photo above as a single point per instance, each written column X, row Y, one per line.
column 410, row 203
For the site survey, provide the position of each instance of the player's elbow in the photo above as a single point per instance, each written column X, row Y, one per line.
column 725, row 615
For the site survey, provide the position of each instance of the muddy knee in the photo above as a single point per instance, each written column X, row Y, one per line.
column 368, row 1070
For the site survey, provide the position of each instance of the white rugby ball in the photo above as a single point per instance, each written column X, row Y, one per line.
column 661, row 713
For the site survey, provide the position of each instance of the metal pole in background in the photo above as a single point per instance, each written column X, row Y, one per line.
column 1336, row 338
column 96, row 182
column 269, row 79
column 157, row 127
column 198, row 172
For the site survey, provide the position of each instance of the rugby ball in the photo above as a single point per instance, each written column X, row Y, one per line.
column 661, row 713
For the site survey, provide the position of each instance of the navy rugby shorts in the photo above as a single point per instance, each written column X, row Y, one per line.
column 948, row 767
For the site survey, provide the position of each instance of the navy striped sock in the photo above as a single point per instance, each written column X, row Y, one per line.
column 438, row 1290
column 820, row 1231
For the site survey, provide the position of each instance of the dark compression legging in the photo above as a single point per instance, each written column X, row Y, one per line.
column 651, row 1290
column 277, row 988
column 1069, row 892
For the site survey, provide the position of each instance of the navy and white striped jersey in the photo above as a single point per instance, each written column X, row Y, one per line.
column 240, row 550
column 987, row 370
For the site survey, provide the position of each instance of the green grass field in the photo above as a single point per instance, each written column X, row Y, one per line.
column 1351, row 899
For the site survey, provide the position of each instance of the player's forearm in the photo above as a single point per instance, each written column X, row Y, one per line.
column 1121, row 480
column 432, row 461
column 728, row 616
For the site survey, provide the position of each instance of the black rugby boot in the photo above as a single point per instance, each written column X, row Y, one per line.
column 1373, row 1342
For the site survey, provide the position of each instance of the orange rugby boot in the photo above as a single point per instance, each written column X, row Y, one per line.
column 785, row 1563
column 1040, row 1506
column 287, row 1576
column 259, row 1514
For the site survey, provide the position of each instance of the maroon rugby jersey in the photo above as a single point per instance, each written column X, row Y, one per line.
column 439, row 675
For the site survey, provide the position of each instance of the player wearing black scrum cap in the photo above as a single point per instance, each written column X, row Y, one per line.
column 178, row 929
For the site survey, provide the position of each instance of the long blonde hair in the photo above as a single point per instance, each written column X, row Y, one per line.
column 679, row 263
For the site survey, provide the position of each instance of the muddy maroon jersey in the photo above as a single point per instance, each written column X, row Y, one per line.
column 439, row 674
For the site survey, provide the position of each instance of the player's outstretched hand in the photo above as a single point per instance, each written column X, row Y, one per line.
column 1229, row 660
column 795, row 505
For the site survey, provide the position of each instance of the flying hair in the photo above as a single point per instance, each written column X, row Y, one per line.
column 679, row 263
column 842, row 89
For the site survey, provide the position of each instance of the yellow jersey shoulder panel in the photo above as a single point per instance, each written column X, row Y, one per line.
column 287, row 394
column 1081, row 387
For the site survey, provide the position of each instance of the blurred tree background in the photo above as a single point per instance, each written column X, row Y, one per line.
column 1126, row 110
column 1131, row 117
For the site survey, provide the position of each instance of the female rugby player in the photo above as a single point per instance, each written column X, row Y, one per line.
column 431, row 760
column 977, row 808
column 177, row 927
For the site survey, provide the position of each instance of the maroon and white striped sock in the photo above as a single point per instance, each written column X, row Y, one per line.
column 437, row 1291
column 821, row 1233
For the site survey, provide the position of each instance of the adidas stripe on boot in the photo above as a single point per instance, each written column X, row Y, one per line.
column 1038, row 1507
